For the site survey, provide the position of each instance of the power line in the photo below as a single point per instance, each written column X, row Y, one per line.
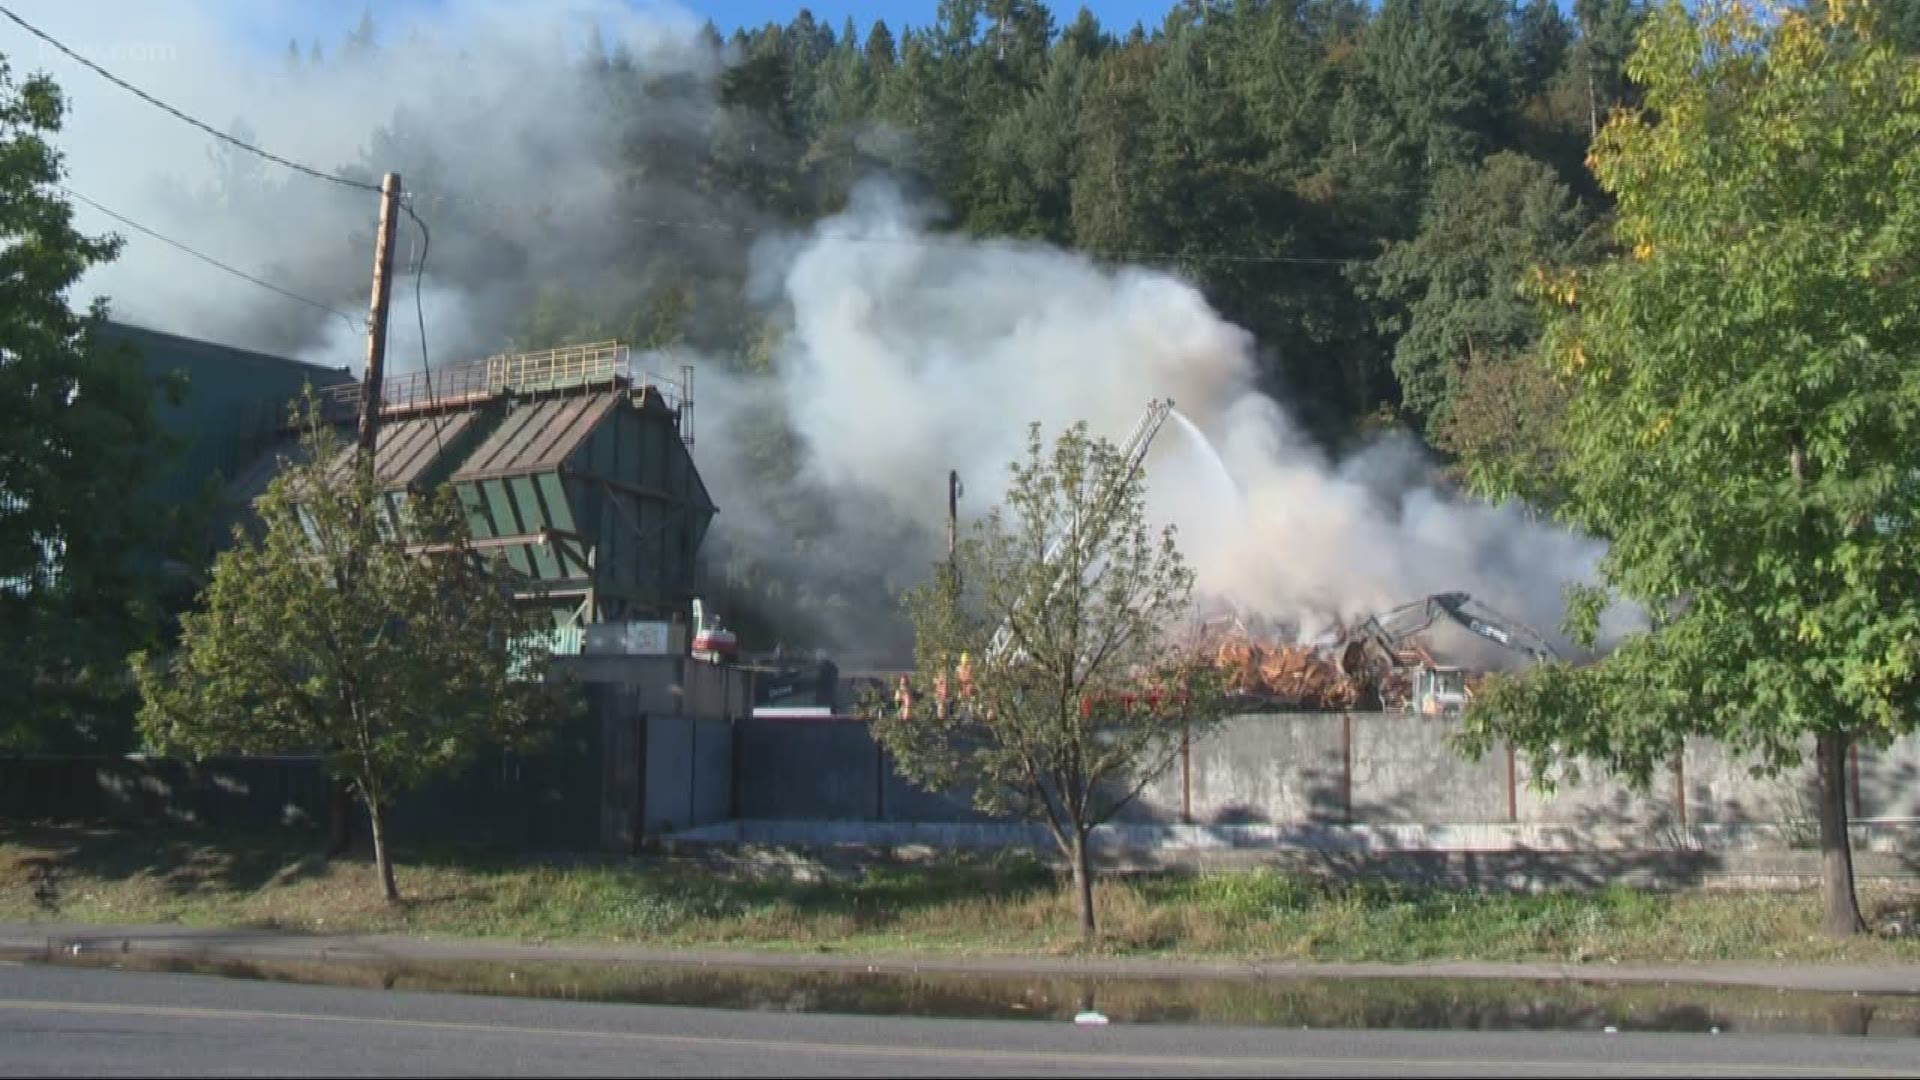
column 163, row 106
column 426, row 236
column 208, row 259
column 933, row 239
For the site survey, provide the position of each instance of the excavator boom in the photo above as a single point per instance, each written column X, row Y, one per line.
column 1434, row 689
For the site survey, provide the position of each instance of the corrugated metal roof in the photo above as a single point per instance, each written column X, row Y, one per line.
column 407, row 448
column 538, row 436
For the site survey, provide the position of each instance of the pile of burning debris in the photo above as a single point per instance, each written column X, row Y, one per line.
column 1284, row 676
column 1379, row 662
column 1265, row 672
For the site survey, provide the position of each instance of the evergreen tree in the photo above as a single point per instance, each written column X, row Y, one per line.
column 1453, row 292
column 879, row 52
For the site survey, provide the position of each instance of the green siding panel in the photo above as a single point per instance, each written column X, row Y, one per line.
column 554, row 494
column 479, row 521
column 505, row 513
column 526, row 500
column 517, row 558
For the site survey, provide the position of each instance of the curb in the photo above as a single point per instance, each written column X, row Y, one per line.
column 50, row 941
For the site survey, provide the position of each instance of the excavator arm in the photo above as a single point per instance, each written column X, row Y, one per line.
column 1377, row 646
column 1495, row 627
column 1390, row 629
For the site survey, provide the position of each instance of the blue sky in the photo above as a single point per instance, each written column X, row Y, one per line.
column 331, row 20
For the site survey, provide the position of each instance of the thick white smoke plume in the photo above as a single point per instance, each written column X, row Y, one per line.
column 911, row 355
column 906, row 356
column 483, row 106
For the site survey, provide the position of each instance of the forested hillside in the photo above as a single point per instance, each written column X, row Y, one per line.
column 1359, row 187
column 1363, row 188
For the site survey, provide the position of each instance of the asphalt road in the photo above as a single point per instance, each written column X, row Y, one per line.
column 99, row 1022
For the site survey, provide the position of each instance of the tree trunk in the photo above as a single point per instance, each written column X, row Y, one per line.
column 1841, row 906
column 1083, row 884
column 339, row 818
column 1593, row 107
column 388, row 890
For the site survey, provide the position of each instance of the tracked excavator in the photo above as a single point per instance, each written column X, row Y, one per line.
column 1378, row 652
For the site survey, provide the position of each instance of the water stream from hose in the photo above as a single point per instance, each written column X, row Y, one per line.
column 1222, row 477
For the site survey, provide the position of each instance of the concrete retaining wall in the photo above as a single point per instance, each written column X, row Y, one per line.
column 1287, row 769
column 625, row 773
column 688, row 767
column 501, row 800
column 280, row 791
column 806, row 770
column 1399, row 775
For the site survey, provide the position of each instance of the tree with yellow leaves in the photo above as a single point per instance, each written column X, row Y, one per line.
column 1742, row 396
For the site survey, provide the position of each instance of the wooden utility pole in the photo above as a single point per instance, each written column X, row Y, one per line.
column 953, row 514
column 375, row 377
column 953, row 521
column 340, row 833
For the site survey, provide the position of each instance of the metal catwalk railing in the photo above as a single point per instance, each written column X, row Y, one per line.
column 571, row 367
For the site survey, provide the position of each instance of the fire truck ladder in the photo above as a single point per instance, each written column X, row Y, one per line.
column 1134, row 453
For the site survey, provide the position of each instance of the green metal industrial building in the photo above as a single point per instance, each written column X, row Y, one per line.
column 572, row 463
column 233, row 405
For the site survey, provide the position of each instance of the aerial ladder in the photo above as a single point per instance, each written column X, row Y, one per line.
column 1380, row 644
column 1133, row 454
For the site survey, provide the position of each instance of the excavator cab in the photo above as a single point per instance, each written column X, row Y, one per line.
column 1439, row 692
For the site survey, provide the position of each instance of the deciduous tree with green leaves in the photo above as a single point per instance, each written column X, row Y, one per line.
column 78, row 550
column 358, row 625
column 1744, row 393
column 1088, row 700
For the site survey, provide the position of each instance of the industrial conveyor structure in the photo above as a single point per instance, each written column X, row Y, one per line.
column 572, row 465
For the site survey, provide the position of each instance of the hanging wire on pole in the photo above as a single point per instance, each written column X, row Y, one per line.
column 426, row 236
column 420, row 314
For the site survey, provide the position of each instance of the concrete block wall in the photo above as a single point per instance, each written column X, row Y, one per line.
column 1722, row 790
column 261, row 792
column 806, row 770
column 1596, row 799
column 1247, row 773
column 1294, row 769
column 1399, row 777
column 711, row 797
column 625, row 772
column 1890, row 779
